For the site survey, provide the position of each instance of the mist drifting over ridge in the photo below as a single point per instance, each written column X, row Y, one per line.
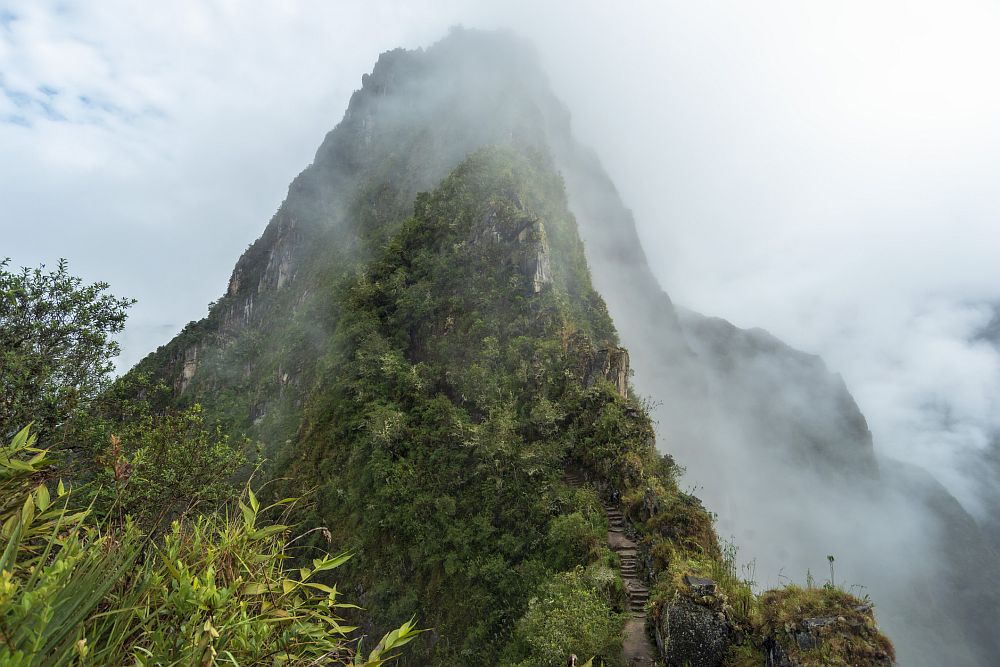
column 894, row 306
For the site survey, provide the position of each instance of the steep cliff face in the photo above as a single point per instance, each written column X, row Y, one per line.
column 725, row 397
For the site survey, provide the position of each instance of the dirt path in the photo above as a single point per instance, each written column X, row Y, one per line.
column 636, row 647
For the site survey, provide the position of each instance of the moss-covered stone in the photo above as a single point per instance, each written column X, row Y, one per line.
column 821, row 626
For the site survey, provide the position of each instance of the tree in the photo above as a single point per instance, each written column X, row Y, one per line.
column 56, row 346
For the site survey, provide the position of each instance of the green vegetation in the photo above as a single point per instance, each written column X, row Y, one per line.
column 569, row 611
column 82, row 580
column 158, row 467
column 216, row 590
column 438, row 436
column 56, row 346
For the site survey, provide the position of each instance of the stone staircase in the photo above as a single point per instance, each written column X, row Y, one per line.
column 637, row 649
column 638, row 592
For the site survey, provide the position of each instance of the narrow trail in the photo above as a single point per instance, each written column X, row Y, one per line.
column 637, row 649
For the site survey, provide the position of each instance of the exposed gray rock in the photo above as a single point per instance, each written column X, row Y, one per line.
column 188, row 368
column 775, row 656
column 689, row 635
column 611, row 364
column 539, row 267
column 699, row 585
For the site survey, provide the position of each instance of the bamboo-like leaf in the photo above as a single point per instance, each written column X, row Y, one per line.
column 249, row 518
column 253, row 500
column 42, row 497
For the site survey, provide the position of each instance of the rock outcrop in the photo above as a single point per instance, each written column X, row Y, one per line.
column 610, row 364
column 692, row 635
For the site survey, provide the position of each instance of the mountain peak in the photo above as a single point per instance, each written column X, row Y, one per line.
column 419, row 334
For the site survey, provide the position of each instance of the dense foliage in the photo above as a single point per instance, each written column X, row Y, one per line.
column 82, row 580
column 569, row 610
column 56, row 345
column 439, row 438
column 157, row 467
column 143, row 456
column 216, row 590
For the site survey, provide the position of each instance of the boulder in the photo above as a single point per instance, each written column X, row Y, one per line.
column 690, row 635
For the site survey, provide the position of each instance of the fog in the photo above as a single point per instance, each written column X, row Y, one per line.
column 823, row 172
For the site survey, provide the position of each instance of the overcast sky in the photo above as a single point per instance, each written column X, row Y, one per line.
column 827, row 171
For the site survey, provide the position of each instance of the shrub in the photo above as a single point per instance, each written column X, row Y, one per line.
column 217, row 591
column 569, row 615
column 157, row 467
column 572, row 541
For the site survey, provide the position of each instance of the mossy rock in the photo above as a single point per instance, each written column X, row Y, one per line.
column 821, row 626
